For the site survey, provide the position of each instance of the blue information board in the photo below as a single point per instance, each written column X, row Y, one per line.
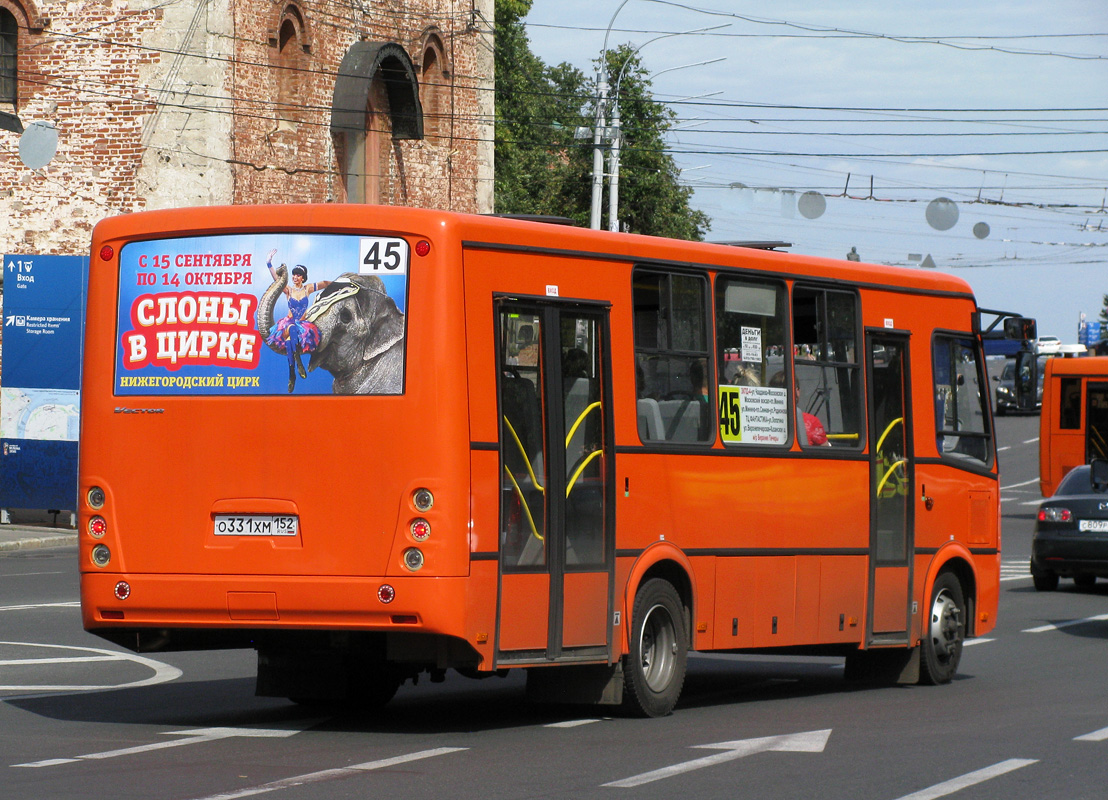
column 40, row 380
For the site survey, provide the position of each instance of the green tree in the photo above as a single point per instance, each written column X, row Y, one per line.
column 542, row 169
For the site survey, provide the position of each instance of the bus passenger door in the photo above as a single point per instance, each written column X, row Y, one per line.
column 1096, row 421
column 557, row 552
column 891, row 525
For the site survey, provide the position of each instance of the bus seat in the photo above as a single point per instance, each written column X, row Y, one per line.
column 682, row 419
column 650, row 420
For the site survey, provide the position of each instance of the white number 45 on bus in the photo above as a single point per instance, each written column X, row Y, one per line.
column 379, row 255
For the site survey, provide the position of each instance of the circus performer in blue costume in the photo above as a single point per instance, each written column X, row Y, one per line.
column 293, row 335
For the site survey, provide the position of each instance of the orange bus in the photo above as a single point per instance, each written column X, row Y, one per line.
column 1073, row 426
column 372, row 442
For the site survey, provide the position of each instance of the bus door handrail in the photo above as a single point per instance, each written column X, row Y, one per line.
column 888, row 430
column 526, row 507
column 888, row 474
column 580, row 419
column 580, row 469
column 526, row 458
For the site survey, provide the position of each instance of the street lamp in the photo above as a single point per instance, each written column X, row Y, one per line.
column 613, row 165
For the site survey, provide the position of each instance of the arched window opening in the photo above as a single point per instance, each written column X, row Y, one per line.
column 376, row 103
column 433, row 93
column 9, row 49
column 291, row 64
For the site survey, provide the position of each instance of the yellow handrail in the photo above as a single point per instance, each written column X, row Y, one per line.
column 853, row 436
column 580, row 419
column 886, row 433
column 581, row 469
column 888, row 474
column 526, row 458
column 526, row 508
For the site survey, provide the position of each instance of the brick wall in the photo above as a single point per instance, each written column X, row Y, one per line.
column 188, row 105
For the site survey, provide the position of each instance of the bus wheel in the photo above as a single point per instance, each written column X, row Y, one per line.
column 654, row 669
column 946, row 631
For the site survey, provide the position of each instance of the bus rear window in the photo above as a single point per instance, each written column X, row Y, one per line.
column 258, row 314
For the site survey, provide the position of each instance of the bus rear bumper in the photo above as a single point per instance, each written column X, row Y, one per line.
column 232, row 602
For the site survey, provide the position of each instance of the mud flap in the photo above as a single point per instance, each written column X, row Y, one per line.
column 594, row 684
column 896, row 665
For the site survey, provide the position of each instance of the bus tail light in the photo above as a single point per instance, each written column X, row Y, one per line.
column 413, row 559
column 420, row 529
column 385, row 593
column 423, row 247
column 423, row 500
column 107, row 253
column 1055, row 514
column 101, row 555
column 122, row 590
column 96, row 497
column 97, row 527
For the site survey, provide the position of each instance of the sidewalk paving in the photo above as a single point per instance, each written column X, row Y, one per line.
column 29, row 530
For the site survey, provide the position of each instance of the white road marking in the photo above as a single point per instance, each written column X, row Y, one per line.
column 1002, row 449
column 968, row 642
column 23, row 662
column 162, row 672
column 196, row 736
column 1031, row 441
column 1017, row 485
column 970, row 779
column 1057, row 626
column 1095, row 736
column 572, row 723
column 331, row 774
column 30, row 606
column 807, row 742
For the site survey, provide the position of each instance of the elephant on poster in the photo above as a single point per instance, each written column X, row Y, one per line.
column 361, row 334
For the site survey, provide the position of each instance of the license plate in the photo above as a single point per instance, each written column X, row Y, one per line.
column 1093, row 525
column 256, row 525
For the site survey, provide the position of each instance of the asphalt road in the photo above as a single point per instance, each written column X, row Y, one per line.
column 1026, row 717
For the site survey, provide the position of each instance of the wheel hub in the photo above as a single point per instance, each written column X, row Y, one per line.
column 946, row 625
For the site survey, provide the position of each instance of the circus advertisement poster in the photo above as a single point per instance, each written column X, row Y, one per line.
column 262, row 314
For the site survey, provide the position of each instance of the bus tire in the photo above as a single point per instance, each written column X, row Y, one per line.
column 654, row 668
column 946, row 631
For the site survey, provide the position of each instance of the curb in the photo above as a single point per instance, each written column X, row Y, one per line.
column 34, row 541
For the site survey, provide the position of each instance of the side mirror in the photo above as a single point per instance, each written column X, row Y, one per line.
column 1020, row 328
column 1098, row 472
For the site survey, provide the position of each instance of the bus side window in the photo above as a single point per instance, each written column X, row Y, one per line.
column 825, row 357
column 961, row 427
column 671, row 357
column 751, row 345
column 1070, row 404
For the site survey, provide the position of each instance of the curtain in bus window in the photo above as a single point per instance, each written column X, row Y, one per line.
column 584, row 431
column 961, row 420
column 522, row 441
column 827, row 370
column 750, row 359
column 671, row 358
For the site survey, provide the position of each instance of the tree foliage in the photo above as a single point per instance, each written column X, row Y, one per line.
column 542, row 169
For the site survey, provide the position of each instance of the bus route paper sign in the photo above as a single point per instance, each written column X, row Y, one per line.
column 753, row 414
column 262, row 314
column 44, row 300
